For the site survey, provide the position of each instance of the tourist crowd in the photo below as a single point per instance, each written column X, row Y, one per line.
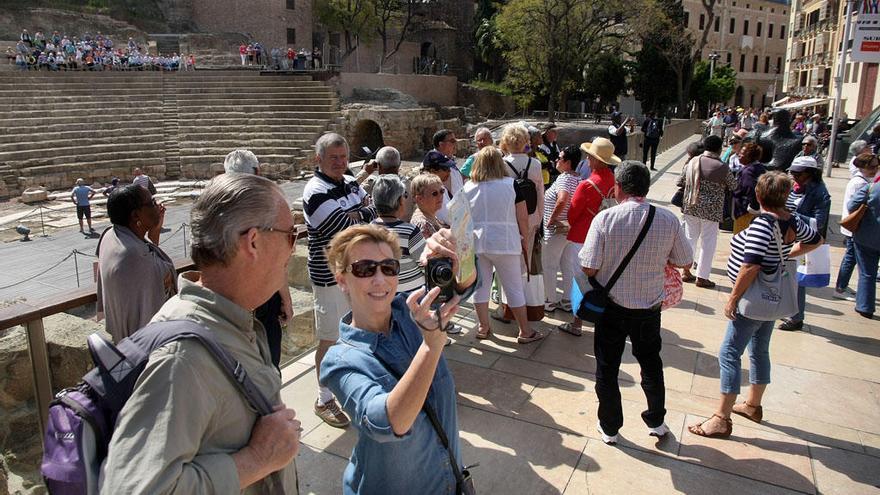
column 556, row 229
column 254, row 53
column 89, row 52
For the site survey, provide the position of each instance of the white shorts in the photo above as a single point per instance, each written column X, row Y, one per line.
column 330, row 306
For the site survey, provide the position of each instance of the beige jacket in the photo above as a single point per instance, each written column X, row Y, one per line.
column 185, row 417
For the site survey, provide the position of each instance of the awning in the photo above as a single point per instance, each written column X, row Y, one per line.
column 809, row 102
column 780, row 102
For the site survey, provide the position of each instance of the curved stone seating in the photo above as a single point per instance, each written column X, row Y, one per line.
column 57, row 127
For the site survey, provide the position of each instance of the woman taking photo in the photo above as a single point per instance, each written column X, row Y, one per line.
column 135, row 277
column 744, row 200
column 500, row 220
column 752, row 250
column 557, row 200
column 387, row 368
column 809, row 199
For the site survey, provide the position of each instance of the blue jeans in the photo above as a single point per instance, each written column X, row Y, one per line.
column 741, row 333
column 866, row 257
column 802, row 304
column 847, row 264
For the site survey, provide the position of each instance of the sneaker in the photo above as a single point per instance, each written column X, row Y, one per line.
column 659, row 431
column 608, row 439
column 452, row 329
column 331, row 414
column 448, row 342
column 549, row 307
column 791, row 325
column 564, row 305
column 846, row 294
column 705, row 283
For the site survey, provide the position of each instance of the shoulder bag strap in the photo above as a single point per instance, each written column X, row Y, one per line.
column 435, row 422
column 632, row 251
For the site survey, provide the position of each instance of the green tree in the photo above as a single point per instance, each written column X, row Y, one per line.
column 355, row 19
column 650, row 79
column 719, row 88
column 550, row 42
column 604, row 78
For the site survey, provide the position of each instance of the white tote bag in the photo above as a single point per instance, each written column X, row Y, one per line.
column 814, row 269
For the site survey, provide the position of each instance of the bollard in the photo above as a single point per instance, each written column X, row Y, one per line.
column 76, row 267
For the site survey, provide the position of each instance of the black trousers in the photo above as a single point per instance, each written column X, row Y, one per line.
column 650, row 143
column 642, row 326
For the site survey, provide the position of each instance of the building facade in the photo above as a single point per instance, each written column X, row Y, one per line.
column 811, row 47
column 274, row 23
column 749, row 36
column 861, row 93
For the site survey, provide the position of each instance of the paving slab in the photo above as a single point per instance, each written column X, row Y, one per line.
column 845, row 473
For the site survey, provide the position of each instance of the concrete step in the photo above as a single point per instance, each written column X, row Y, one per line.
column 87, row 139
column 79, row 120
column 149, row 152
column 223, row 106
column 92, row 168
column 49, row 112
column 256, row 98
column 274, row 94
column 221, row 150
column 268, row 117
column 247, row 136
column 195, row 131
column 232, row 143
column 121, row 146
column 60, row 130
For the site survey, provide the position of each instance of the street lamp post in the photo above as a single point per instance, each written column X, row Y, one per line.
column 712, row 58
column 838, row 85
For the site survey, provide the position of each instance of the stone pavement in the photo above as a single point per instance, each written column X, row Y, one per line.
column 528, row 412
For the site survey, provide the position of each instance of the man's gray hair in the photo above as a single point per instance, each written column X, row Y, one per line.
column 229, row 205
column 327, row 141
column 857, row 147
column 241, row 162
column 387, row 193
column 389, row 159
column 633, row 178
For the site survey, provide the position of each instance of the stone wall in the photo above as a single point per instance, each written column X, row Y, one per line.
column 409, row 130
column 266, row 21
column 427, row 90
column 488, row 103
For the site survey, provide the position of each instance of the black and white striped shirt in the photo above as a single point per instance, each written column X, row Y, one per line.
column 756, row 245
column 326, row 205
column 412, row 244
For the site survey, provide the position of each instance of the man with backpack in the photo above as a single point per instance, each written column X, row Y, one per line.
column 652, row 128
column 187, row 426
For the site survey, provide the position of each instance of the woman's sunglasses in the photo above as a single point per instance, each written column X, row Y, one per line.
column 367, row 268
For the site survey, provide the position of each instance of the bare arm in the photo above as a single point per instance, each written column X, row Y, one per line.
column 561, row 200
column 522, row 222
column 801, row 249
column 274, row 443
column 407, row 398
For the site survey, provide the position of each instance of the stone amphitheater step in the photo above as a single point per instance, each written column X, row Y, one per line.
column 148, row 151
column 133, row 146
column 259, row 98
column 63, row 130
column 212, row 114
column 50, row 141
column 207, row 129
column 92, row 112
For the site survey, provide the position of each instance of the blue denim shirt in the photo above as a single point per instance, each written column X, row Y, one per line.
column 869, row 228
column 816, row 204
column 381, row 461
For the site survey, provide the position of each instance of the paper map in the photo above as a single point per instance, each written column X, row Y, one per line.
column 463, row 229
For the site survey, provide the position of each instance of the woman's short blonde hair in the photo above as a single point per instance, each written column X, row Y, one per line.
column 343, row 242
column 514, row 138
column 423, row 181
column 488, row 165
column 773, row 189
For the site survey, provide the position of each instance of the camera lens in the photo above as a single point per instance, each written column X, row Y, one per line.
column 442, row 274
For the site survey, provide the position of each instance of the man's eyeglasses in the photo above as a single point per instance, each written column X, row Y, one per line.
column 291, row 233
column 151, row 202
column 367, row 268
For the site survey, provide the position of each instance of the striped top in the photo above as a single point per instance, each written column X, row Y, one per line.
column 326, row 205
column 756, row 245
column 565, row 182
column 412, row 244
column 793, row 200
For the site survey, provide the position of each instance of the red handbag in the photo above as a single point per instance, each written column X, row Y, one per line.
column 672, row 287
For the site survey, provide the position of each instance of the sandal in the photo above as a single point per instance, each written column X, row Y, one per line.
column 697, row 429
column 742, row 409
column 481, row 335
column 536, row 336
column 570, row 329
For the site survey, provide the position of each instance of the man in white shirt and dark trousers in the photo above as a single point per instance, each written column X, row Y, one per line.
column 633, row 308
column 618, row 132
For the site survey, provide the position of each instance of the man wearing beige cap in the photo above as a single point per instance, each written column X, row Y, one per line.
column 590, row 197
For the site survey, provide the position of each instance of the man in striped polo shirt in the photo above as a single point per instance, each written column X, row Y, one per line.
column 332, row 202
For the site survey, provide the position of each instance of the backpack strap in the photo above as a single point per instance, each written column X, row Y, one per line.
column 155, row 335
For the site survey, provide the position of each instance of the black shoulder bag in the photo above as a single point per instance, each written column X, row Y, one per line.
column 463, row 481
column 593, row 304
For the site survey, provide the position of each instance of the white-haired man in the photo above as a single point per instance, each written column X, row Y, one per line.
column 332, row 202
column 186, row 427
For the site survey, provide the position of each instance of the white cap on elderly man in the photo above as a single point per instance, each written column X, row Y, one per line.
column 802, row 163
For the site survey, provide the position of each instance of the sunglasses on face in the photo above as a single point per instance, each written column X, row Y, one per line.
column 290, row 233
column 367, row 268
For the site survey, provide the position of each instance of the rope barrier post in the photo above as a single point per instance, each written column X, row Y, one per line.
column 184, row 239
column 42, row 224
column 76, row 267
